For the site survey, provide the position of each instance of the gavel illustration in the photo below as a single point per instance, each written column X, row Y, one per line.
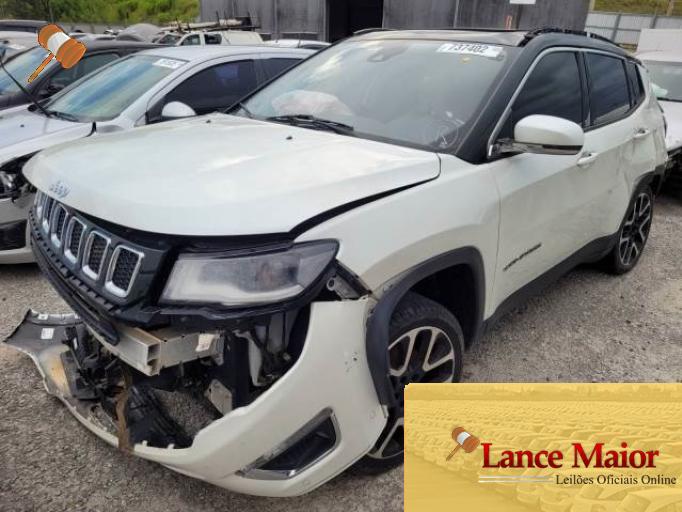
column 465, row 440
column 65, row 49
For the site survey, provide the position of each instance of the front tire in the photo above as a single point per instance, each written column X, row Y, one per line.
column 426, row 344
column 633, row 234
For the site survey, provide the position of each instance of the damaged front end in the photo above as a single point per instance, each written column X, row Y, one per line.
column 249, row 398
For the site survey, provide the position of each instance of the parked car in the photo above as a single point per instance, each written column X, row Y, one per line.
column 54, row 77
column 219, row 37
column 308, row 44
column 143, row 88
column 14, row 42
column 32, row 26
column 663, row 58
column 351, row 228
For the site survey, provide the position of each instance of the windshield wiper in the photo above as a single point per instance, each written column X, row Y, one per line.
column 64, row 116
column 305, row 120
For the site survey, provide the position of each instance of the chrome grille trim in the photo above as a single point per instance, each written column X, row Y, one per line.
column 108, row 281
column 58, row 223
column 68, row 254
column 47, row 213
column 90, row 272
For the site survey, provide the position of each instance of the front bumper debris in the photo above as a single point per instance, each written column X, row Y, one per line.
column 329, row 388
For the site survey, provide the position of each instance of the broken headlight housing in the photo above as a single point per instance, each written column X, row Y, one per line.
column 251, row 279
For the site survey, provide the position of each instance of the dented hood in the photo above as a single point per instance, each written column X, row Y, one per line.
column 23, row 132
column 222, row 175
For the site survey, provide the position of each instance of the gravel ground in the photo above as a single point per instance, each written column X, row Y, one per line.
column 588, row 327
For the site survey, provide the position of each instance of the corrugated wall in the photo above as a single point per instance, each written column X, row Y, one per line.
column 308, row 16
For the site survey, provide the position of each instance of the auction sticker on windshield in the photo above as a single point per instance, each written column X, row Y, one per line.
column 484, row 50
column 169, row 63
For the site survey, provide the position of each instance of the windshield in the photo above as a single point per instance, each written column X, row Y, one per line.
column 414, row 92
column 21, row 68
column 104, row 95
column 666, row 79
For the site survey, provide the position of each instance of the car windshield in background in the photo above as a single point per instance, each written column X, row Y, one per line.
column 21, row 68
column 107, row 93
column 666, row 79
column 422, row 93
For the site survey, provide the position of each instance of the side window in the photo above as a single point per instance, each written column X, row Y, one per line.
column 636, row 88
column 212, row 38
column 609, row 97
column 553, row 89
column 65, row 77
column 217, row 87
column 192, row 40
column 274, row 67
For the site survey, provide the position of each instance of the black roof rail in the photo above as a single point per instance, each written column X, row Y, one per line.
column 370, row 30
column 556, row 30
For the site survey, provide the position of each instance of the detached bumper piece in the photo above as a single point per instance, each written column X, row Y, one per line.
column 92, row 385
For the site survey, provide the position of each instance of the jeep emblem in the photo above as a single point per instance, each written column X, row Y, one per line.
column 59, row 189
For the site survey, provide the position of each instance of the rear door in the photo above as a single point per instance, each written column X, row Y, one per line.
column 612, row 141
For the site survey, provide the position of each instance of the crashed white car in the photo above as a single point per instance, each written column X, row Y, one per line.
column 253, row 298
column 665, row 70
column 143, row 88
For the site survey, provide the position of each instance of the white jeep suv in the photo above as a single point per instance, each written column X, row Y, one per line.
column 255, row 290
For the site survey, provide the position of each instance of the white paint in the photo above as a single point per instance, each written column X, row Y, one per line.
column 46, row 333
column 55, row 41
column 463, row 437
column 205, row 340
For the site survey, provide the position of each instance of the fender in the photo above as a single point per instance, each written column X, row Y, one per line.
column 377, row 338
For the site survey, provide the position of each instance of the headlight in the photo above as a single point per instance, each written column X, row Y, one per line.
column 247, row 280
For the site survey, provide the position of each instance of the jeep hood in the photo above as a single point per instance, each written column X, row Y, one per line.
column 23, row 132
column 223, row 175
column 673, row 116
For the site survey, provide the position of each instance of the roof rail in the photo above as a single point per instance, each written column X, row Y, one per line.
column 370, row 30
column 556, row 30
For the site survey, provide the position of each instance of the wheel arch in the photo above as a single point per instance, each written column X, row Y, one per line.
column 462, row 271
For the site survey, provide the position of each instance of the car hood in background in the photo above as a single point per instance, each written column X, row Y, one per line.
column 673, row 116
column 23, row 132
column 222, row 175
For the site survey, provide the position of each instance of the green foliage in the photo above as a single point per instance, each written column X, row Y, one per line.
column 638, row 6
column 102, row 11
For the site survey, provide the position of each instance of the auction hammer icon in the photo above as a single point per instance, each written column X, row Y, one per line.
column 464, row 440
column 65, row 49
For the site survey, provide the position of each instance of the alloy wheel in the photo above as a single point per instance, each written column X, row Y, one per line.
column 635, row 231
column 423, row 354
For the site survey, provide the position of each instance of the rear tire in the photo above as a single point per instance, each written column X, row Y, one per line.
column 633, row 233
column 426, row 344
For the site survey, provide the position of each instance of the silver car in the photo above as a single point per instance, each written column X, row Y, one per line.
column 148, row 87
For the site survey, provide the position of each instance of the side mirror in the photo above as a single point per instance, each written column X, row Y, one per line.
column 545, row 135
column 177, row 110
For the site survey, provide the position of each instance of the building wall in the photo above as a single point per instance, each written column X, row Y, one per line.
column 308, row 16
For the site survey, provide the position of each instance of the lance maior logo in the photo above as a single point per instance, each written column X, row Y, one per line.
column 463, row 439
column 596, row 456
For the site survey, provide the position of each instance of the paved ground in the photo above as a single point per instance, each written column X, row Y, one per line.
column 589, row 327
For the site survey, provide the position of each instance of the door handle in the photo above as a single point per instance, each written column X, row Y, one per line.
column 641, row 133
column 587, row 159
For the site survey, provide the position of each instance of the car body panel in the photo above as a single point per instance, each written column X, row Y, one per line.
column 282, row 177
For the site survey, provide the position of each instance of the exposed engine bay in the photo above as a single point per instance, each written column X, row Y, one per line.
column 160, row 388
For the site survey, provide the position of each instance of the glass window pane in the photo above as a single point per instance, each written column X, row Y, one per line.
column 609, row 97
column 216, row 88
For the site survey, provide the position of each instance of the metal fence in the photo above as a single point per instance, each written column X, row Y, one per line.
column 625, row 28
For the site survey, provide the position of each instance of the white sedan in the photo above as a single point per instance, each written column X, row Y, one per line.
column 147, row 87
